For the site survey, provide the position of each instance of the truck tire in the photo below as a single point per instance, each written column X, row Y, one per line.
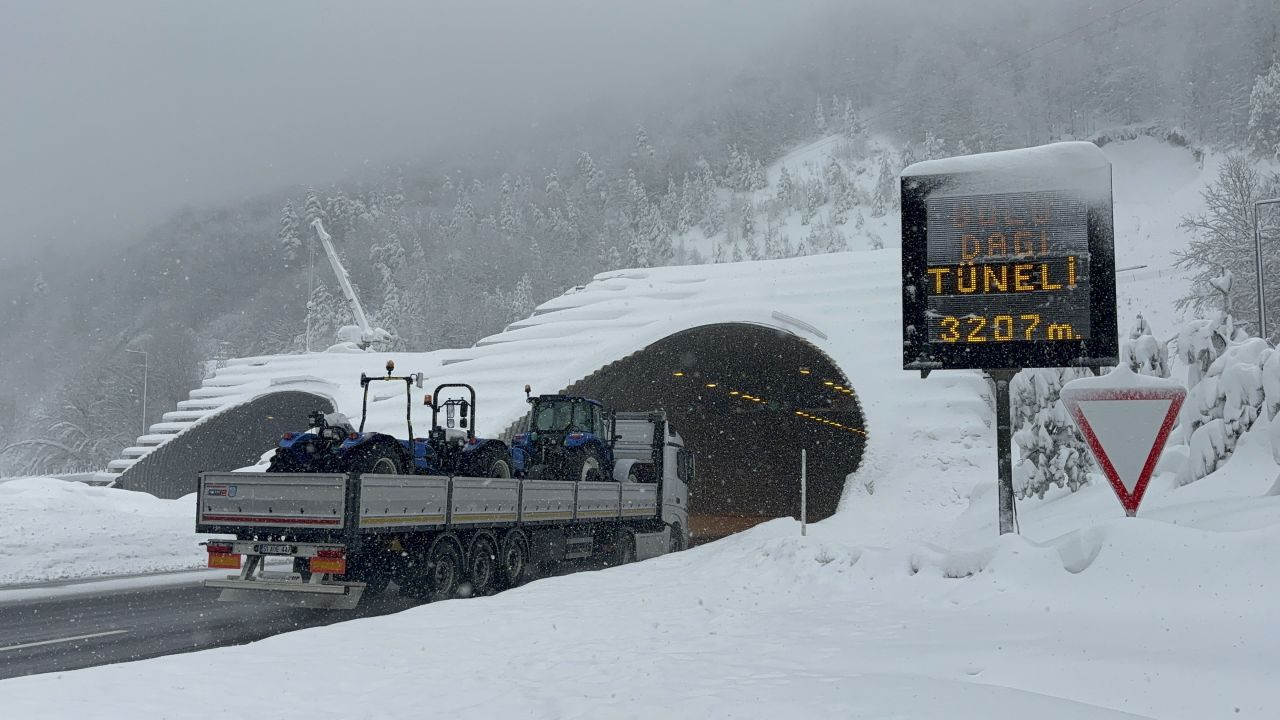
column 482, row 565
column 378, row 458
column 678, row 540
column 624, row 549
column 513, row 559
column 444, row 569
column 432, row 572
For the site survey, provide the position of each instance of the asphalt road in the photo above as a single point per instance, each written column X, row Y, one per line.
column 67, row 633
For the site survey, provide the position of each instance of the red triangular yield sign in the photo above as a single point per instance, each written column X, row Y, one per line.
column 1126, row 422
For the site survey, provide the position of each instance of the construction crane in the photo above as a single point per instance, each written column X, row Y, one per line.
column 367, row 334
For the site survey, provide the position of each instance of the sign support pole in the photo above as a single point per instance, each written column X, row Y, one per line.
column 804, row 514
column 1004, row 445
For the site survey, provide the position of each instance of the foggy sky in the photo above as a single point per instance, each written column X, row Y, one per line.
column 117, row 113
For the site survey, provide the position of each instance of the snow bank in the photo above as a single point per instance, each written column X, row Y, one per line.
column 1140, row 617
column 56, row 530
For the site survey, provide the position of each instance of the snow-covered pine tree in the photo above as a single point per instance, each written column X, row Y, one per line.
column 814, row 199
column 854, row 129
column 328, row 314
column 1224, row 377
column 1143, row 353
column 642, row 147
column 934, row 147
column 747, row 224
column 886, row 195
column 341, row 219
column 819, row 116
column 756, row 177
column 591, row 178
column 717, row 254
column 552, row 188
column 313, row 209
column 522, row 299
column 772, row 242
column 786, row 187
column 288, row 234
column 1264, row 113
column 685, row 214
column 1052, row 450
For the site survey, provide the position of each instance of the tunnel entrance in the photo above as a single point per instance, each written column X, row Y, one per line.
column 746, row 399
column 231, row 439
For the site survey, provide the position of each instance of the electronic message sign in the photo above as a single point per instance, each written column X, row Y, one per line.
column 1008, row 260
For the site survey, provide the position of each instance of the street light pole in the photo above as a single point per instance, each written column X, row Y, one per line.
column 145, row 363
column 1257, row 256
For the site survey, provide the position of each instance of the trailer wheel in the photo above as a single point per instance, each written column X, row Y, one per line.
column 482, row 566
column 444, row 570
column 513, row 559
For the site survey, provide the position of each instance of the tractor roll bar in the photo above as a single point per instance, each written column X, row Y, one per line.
column 409, row 382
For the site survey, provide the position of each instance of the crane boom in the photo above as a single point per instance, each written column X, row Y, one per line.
column 367, row 333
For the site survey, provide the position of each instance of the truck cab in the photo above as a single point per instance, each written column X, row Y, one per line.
column 648, row 450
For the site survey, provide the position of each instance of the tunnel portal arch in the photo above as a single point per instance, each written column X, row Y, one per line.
column 233, row 438
column 745, row 398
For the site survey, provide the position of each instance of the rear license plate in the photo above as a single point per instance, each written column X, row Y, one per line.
column 274, row 549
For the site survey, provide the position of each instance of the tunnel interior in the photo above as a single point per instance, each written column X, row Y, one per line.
column 746, row 399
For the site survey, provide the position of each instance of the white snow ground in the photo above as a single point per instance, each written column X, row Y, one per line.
column 52, row 529
column 1087, row 615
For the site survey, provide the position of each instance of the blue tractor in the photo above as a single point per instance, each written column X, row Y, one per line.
column 569, row 438
column 333, row 445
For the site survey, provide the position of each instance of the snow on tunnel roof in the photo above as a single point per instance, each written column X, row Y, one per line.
column 848, row 305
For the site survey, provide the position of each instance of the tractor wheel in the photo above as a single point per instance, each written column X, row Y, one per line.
column 376, row 458
column 585, row 466
column 499, row 467
column 283, row 463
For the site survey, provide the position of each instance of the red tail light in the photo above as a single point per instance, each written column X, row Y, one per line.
column 221, row 555
column 288, row 436
column 576, row 436
column 329, row 560
column 353, row 436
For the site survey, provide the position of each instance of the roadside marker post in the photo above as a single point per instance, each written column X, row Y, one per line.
column 804, row 514
column 1126, row 419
